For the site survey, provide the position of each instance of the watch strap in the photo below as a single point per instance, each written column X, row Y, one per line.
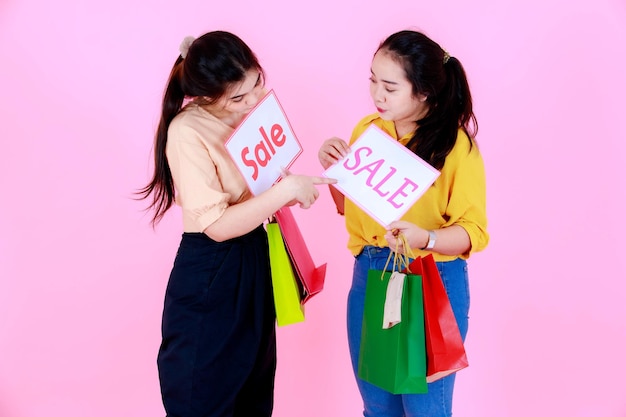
column 432, row 238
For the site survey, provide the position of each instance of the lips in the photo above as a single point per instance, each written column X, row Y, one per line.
column 380, row 110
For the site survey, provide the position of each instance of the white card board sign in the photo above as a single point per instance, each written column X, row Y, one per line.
column 263, row 143
column 382, row 176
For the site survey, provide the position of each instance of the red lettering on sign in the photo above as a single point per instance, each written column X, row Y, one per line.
column 277, row 131
column 249, row 162
column 265, row 149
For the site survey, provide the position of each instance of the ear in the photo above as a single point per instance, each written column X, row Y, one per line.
column 422, row 98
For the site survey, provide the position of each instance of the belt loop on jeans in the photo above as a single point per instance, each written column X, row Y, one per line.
column 370, row 250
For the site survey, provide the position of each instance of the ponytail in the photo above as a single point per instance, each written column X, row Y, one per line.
column 461, row 97
column 450, row 110
column 161, row 186
column 206, row 68
column 441, row 78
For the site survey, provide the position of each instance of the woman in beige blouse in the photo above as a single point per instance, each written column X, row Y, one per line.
column 218, row 352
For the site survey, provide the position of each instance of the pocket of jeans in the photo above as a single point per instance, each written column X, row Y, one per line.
column 456, row 282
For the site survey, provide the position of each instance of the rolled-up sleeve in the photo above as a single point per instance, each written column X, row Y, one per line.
column 198, row 188
column 467, row 195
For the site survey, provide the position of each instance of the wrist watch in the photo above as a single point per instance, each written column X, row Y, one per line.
column 432, row 238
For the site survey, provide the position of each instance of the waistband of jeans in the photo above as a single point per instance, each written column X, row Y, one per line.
column 369, row 250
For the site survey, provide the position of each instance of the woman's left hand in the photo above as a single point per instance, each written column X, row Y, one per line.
column 332, row 151
column 416, row 237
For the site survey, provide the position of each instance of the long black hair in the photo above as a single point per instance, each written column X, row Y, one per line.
column 442, row 79
column 213, row 63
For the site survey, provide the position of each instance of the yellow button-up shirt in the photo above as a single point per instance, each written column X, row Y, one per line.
column 458, row 196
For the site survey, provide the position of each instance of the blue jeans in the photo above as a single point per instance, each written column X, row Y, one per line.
column 378, row 402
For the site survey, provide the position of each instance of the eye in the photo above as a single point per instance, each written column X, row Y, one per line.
column 372, row 80
column 389, row 90
column 237, row 99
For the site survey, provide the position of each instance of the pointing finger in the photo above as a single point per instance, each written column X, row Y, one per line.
column 284, row 172
column 323, row 180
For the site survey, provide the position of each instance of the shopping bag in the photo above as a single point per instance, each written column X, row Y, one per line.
column 310, row 277
column 444, row 345
column 287, row 301
column 393, row 358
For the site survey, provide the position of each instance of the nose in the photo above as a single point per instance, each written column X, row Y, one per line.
column 378, row 93
column 253, row 98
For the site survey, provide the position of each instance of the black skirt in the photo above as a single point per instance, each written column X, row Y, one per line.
column 218, row 353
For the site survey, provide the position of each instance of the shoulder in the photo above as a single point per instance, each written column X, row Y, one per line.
column 370, row 119
column 366, row 122
column 193, row 124
column 465, row 145
column 465, row 153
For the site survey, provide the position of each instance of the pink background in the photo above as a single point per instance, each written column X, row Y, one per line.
column 82, row 274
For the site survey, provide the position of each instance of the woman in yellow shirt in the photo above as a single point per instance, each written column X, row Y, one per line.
column 218, row 351
column 423, row 100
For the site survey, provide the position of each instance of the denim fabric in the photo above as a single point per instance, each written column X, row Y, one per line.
column 380, row 403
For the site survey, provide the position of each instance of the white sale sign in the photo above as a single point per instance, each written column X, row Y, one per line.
column 263, row 143
column 382, row 176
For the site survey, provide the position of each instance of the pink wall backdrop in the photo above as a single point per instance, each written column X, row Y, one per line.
column 82, row 274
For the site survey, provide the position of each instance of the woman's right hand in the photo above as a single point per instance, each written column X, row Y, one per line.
column 302, row 189
column 239, row 219
column 331, row 151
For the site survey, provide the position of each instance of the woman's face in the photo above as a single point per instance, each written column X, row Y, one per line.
column 393, row 93
column 241, row 98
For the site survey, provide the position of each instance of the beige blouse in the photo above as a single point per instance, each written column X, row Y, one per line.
column 205, row 177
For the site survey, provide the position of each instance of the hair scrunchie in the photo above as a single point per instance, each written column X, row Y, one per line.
column 184, row 46
column 446, row 57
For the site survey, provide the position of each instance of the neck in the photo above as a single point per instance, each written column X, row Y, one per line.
column 226, row 117
column 403, row 128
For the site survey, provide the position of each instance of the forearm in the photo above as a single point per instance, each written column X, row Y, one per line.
column 338, row 198
column 329, row 154
column 244, row 217
column 452, row 240
column 241, row 218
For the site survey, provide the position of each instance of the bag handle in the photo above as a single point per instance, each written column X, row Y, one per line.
column 400, row 261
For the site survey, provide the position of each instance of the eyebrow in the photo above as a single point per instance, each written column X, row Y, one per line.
column 255, row 84
column 385, row 81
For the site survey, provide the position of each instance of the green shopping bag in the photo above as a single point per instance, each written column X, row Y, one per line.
column 394, row 358
column 287, row 300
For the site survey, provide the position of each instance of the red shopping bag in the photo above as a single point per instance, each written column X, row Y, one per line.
column 445, row 352
column 310, row 277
